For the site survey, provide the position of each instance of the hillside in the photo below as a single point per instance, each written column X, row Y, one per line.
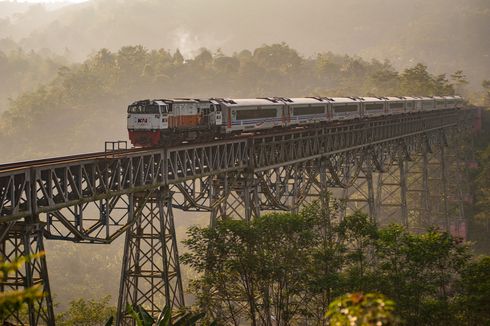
column 447, row 35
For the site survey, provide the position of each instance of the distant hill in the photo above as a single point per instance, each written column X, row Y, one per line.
column 448, row 35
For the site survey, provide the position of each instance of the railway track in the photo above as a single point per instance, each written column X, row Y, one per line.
column 8, row 167
column 67, row 159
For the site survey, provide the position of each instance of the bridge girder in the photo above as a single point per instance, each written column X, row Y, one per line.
column 383, row 167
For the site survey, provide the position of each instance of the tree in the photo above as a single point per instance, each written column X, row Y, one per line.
column 327, row 254
column 178, row 58
column 459, row 80
column 15, row 300
column 358, row 309
column 416, row 81
column 262, row 262
column 288, row 267
column 474, row 299
column 486, row 86
column 278, row 57
column 360, row 235
column 87, row 312
column 418, row 272
column 143, row 318
column 204, row 58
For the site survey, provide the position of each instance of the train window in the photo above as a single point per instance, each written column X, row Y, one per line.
column 409, row 105
column 396, row 105
column 370, row 107
column 149, row 109
column 309, row 110
column 428, row 104
column 152, row 109
column 440, row 104
column 345, row 108
column 254, row 113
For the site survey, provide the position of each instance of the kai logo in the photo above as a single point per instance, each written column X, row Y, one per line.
column 142, row 120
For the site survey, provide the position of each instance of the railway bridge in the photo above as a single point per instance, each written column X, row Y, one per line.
column 408, row 169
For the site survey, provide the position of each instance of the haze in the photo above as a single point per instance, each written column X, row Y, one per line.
column 447, row 35
column 68, row 70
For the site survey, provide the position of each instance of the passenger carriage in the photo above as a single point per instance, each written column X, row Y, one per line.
column 373, row 106
column 440, row 102
column 306, row 110
column 412, row 104
column 428, row 103
column 343, row 108
column 252, row 114
column 396, row 105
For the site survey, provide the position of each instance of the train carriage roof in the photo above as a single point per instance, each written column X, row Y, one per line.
column 307, row 100
column 395, row 98
column 411, row 98
column 250, row 102
column 372, row 99
column 451, row 97
column 344, row 100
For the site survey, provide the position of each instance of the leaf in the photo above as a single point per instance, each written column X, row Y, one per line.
column 134, row 315
column 189, row 319
column 165, row 317
column 146, row 318
column 109, row 321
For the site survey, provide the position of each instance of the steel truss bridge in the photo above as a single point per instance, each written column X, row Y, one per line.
column 407, row 169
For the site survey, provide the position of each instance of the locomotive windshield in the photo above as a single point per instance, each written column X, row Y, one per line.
column 140, row 108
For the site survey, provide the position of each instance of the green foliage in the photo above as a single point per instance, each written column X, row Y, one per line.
column 486, row 87
column 23, row 71
column 15, row 300
column 264, row 261
column 480, row 183
column 143, row 318
column 357, row 309
column 418, row 272
column 474, row 298
column 87, row 312
column 290, row 267
column 418, row 80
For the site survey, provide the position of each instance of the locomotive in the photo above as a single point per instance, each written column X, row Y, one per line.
column 168, row 121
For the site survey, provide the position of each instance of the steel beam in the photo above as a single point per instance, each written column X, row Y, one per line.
column 26, row 239
column 150, row 273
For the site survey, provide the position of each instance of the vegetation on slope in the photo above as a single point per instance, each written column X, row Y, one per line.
column 446, row 34
column 287, row 269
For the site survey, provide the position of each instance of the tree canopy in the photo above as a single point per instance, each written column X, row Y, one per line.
column 288, row 268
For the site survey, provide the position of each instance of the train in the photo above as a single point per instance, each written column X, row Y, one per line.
column 160, row 122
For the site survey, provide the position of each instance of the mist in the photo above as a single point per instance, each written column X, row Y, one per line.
column 447, row 35
column 69, row 70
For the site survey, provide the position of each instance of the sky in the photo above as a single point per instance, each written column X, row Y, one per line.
column 49, row 1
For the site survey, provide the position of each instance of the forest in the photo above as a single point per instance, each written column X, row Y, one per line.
column 63, row 91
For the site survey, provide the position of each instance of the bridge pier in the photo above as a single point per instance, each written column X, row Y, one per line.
column 150, row 270
column 18, row 239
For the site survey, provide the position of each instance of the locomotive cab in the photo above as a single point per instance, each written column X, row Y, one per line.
column 146, row 119
column 147, row 115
